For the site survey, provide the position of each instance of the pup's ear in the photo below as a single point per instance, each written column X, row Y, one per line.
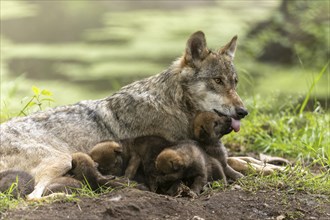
column 196, row 49
column 230, row 48
column 118, row 150
column 74, row 163
column 177, row 164
column 204, row 134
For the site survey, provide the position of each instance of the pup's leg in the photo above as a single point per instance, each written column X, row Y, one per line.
column 220, row 153
column 199, row 182
column 232, row 173
column 132, row 166
column 217, row 170
column 49, row 169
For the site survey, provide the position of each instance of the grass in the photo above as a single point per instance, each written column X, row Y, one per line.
column 8, row 201
column 282, row 131
column 294, row 179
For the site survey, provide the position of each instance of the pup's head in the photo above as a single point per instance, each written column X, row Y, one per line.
column 169, row 161
column 82, row 166
column 211, row 79
column 108, row 155
column 209, row 127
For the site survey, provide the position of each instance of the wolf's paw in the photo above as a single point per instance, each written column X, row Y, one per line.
column 249, row 164
column 52, row 196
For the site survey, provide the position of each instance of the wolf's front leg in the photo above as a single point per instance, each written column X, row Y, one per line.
column 246, row 164
column 49, row 168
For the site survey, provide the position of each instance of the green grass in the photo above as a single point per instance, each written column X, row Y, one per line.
column 294, row 179
column 285, row 134
column 8, row 202
column 278, row 129
column 297, row 178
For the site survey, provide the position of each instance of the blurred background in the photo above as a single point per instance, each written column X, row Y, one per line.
column 88, row 49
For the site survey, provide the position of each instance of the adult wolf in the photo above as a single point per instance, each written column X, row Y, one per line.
column 164, row 105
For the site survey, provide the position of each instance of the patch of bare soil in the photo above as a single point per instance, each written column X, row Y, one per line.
column 130, row 203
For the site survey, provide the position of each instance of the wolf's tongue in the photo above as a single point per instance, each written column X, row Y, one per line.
column 235, row 124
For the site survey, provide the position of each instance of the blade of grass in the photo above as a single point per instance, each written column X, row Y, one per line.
column 303, row 106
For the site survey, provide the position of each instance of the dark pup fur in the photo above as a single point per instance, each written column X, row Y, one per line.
column 136, row 157
column 24, row 181
column 64, row 184
column 187, row 162
column 208, row 129
column 141, row 152
column 85, row 170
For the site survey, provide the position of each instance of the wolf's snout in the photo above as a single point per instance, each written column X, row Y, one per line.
column 241, row 112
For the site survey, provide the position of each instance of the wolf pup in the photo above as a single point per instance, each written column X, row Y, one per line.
column 189, row 163
column 23, row 180
column 162, row 105
column 141, row 152
column 108, row 156
column 186, row 161
column 208, row 129
column 83, row 172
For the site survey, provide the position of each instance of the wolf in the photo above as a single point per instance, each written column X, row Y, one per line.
column 162, row 105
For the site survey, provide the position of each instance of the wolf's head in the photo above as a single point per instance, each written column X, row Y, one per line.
column 210, row 78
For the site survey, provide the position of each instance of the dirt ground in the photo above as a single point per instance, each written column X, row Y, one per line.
column 130, row 203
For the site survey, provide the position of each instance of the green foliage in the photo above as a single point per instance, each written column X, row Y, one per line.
column 302, row 108
column 8, row 202
column 7, row 199
column 39, row 98
column 292, row 180
column 281, row 131
column 300, row 26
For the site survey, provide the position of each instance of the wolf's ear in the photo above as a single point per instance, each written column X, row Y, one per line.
column 196, row 49
column 230, row 48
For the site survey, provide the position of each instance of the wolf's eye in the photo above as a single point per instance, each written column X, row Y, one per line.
column 218, row 81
